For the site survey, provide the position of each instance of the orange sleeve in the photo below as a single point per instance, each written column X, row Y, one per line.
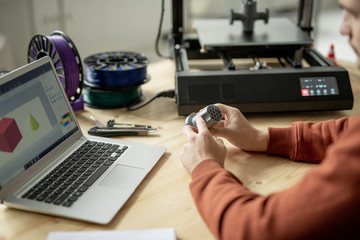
column 325, row 204
column 305, row 141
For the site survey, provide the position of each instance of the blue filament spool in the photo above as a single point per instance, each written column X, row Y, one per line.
column 116, row 69
column 113, row 79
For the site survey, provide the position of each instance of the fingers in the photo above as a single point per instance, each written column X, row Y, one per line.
column 201, row 125
column 223, row 108
column 220, row 132
column 220, row 124
column 215, row 131
column 188, row 131
column 218, row 140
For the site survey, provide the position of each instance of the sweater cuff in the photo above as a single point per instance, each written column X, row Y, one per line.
column 282, row 141
column 205, row 166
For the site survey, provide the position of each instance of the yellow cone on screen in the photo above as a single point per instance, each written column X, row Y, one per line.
column 34, row 125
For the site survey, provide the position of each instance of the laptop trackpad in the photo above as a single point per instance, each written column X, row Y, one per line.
column 124, row 177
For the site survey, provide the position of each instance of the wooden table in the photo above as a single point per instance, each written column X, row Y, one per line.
column 163, row 199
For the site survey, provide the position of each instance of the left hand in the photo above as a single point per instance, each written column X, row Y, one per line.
column 201, row 146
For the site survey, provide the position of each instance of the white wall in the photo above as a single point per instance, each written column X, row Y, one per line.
column 113, row 25
column 93, row 25
column 15, row 27
column 328, row 33
column 110, row 25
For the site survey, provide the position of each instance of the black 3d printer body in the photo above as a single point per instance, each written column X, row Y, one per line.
column 265, row 90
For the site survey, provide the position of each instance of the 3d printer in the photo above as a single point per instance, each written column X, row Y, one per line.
column 288, row 74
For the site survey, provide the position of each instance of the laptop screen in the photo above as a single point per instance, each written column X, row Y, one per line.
column 34, row 119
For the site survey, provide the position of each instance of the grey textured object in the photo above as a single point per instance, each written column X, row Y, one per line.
column 211, row 115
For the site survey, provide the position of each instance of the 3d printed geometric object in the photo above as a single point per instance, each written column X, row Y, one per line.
column 34, row 125
column 10, row 135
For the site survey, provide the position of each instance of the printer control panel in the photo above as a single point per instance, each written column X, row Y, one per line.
column 318, row 86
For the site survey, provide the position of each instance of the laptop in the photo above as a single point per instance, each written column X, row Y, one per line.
column 47, row 165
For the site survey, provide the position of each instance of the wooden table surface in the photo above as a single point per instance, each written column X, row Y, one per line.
column 163, row 200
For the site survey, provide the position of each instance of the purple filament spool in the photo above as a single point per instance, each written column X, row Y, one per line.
column 68, row 60
column 65, row 57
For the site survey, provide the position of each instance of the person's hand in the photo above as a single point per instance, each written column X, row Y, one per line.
column 201, row 146
column 238, row 131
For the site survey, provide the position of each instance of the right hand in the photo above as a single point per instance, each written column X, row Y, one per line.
column 238, row 131
column 202, row 146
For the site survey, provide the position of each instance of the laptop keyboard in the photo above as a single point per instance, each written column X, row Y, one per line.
column 67, row 182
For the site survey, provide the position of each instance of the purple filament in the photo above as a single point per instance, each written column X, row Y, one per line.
column 69, row 62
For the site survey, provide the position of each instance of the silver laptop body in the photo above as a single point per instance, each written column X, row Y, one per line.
column 39, row 131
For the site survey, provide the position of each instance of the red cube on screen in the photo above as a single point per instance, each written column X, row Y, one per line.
column 10, row 134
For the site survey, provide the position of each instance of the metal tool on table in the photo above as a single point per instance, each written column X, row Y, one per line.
column 114, row 129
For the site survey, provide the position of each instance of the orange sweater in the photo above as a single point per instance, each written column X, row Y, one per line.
column 325, row 204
